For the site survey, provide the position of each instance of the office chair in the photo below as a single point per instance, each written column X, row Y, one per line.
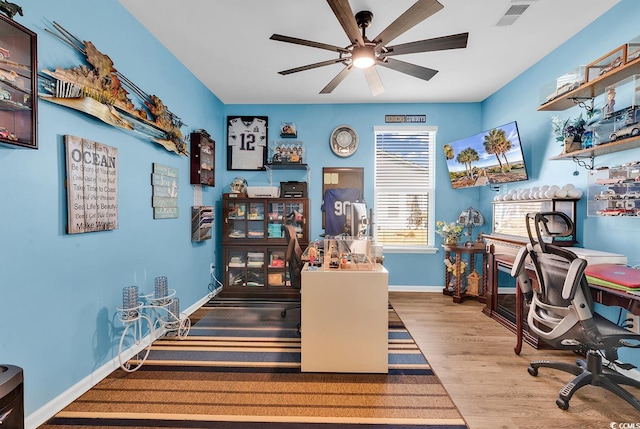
column 293, row 261
column 561, row 312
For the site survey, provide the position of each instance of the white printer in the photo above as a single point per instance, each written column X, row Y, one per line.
column 263, row 191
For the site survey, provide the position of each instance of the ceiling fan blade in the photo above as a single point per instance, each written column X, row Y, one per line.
column 295, row 40
column 413, row 16
column 420, row 72
column 455, row 41
column 310, row 66
column 336, row 80
column 342, row 10
column 373, row 79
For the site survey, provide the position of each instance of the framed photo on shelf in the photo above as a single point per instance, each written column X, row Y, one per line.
column 247, row 142
column 18, row 78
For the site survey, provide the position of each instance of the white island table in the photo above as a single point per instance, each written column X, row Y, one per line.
column 345, row 320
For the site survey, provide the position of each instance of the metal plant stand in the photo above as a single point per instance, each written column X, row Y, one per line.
column 151, row 319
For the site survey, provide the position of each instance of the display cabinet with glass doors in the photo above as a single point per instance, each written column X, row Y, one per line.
column 254, row 246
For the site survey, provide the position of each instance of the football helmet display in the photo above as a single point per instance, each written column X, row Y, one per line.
column 239, row 185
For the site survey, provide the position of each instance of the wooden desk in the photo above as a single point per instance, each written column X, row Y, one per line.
column 616, row 298
column 345, row 320
column 472, row 252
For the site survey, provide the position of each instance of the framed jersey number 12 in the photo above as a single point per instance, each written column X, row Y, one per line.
column 246, row 142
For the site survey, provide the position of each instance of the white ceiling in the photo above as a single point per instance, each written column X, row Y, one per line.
column 225, row 43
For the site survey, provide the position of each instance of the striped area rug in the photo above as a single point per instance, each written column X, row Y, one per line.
column 239, row 367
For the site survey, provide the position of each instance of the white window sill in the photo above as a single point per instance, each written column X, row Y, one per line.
column 407, row 249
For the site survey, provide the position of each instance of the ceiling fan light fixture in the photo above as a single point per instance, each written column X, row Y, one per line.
column 363, row 57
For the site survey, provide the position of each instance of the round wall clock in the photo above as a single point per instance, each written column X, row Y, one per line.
column 344, row 140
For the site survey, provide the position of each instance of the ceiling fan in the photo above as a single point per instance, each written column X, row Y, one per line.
column 365, row 54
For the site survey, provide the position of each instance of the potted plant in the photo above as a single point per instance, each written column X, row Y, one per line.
column 569, row 132
column 451, row 232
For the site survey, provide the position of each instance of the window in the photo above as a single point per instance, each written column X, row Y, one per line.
column 404, row 187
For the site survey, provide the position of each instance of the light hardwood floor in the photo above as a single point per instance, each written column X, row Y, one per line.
column 473, row 356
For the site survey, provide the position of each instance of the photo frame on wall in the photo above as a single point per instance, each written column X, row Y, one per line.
column 247, row 142
column 288, row 130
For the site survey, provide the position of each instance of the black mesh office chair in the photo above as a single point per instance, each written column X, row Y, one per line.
column 561, row 312
column 293, row 261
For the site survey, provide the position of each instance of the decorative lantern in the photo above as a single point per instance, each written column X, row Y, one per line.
column 473, row 283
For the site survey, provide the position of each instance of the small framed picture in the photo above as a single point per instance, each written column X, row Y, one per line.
column 246, row 142
column 288, row 130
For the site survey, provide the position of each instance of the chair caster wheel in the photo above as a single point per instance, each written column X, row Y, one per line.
column 283, row 313
column 533, row 371
column 562, row 404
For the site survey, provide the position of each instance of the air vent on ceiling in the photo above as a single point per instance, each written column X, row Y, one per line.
column 515, row 10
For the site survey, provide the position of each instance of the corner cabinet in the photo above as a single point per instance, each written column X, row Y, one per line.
column 254, row 247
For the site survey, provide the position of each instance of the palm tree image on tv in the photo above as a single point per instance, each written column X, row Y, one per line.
column 491, row 157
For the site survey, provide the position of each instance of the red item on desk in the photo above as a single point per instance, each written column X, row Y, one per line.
column 614, row 273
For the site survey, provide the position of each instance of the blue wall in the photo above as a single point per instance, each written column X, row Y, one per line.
column 59, row 291
column 315, row 123
column 519, row 100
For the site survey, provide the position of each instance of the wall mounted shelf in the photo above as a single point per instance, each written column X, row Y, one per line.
column 586, row 93
column 287, row 166
column 603, row 149
column 589, row 90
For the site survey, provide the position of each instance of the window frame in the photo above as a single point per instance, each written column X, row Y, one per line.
column 430, row 191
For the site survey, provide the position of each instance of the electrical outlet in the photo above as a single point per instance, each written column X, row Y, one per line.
column 212, row 268
column 635, row 321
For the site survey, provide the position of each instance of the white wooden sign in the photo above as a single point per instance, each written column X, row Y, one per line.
column 92, row 186
column 164, row 181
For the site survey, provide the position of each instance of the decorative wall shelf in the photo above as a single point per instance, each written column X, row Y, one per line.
column 18, row 77
column 286, row 166
column 203, row 150
column 586, row 93
column 589, row 90
column 617, row 146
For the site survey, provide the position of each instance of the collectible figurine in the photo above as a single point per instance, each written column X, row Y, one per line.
column 10, row 9
column 611, row 102
column 313, row 255
column 277, row 157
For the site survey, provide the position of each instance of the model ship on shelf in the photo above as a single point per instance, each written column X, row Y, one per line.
column 103, row 92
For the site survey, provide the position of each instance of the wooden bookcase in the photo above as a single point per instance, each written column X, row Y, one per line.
column 254, row 247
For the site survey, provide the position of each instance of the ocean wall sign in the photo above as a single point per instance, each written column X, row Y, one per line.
column 92, row 185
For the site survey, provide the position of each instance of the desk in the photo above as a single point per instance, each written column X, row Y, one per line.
column 502, row 250
column 345, row 320
column 471, row 251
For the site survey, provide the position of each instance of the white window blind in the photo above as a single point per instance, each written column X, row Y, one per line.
column 404, row 186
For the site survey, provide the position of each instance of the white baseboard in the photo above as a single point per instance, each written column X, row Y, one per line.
column 430, row 289
column 44, row 413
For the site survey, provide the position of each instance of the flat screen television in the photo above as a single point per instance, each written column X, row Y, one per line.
column 492, row 157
